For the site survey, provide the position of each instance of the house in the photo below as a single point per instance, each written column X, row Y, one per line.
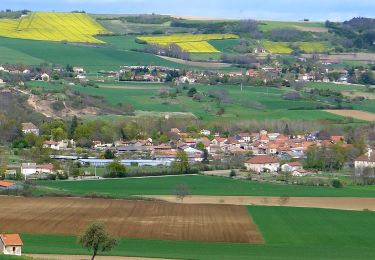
column 78, row 70
column 260, row 51
column 30, row 128
column 300, row 173
column 219, row 141
column 11, row 244
column 252, row 73
column 45, row 168
column 292, row 166
column 28, row 169
column 193, row 154
column 10, row 174
column 5, row 185
column 244, row 137
column 51, row 145
column 262, row 163
column 205, row 132
column 365, row 161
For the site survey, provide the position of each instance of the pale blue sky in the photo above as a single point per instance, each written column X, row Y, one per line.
column 317, row 10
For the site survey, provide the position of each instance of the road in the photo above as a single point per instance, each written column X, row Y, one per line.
column 358, row 204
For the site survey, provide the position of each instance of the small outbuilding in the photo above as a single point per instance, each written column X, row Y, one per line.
column 11, row 244
column 5, row 185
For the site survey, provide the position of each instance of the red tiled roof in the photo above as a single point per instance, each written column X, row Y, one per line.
column 11, row 240
column 364, row 158
column 295, row 164
column 47, row 166
column 262, row 159
column 6, row 184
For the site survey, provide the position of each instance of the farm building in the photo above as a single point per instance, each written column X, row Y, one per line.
column 105, row 162
column 11, row 244
column 28, row 169
column 5, row 185
column 365, row 161
column 292, row 166
column 262, row 163
column 30, row 128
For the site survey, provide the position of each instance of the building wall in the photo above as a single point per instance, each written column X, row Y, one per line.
column 364, row 164
column 272, row 167
column 13, row 250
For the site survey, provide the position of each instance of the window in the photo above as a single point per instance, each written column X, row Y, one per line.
column 14, row 249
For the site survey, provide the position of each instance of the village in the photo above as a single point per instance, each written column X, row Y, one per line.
column 257, row 153
column 268, row 71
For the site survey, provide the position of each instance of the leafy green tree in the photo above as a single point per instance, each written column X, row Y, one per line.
column 73, row 126
column 58, row 134
column 31, row 139
column 191, row 92
column 116, row 170
column 82, row 135
column 200, row 146
column 108, row 154
column 47, row 127
column 97, row 239
column 205, row 157
column 131, row 131
column 181, row 164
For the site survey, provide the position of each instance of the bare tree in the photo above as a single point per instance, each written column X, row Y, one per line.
column 181, row 191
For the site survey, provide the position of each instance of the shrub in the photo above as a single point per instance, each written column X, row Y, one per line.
column 337, row 183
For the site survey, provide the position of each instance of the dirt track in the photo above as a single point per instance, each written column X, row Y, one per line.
column 361, row 115
column 83, row 257
column 213, row 65
column 309, row 202
column 134, row 219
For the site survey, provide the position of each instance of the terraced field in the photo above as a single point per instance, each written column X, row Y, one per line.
column 194, row 43
column 51, row 26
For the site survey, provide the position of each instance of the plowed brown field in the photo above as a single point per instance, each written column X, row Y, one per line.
column 133, row 219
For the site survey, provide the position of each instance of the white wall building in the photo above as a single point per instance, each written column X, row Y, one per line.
column 262, row 163
column 11, row 244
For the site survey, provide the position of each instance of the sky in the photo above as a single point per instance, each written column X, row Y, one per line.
column 288, row 10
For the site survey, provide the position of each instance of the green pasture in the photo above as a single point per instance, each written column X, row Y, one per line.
column 92, row 58
column 202, row 185
column 271, row 25
column 255, row 103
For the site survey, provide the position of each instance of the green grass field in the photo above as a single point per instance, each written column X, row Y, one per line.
column 272, row 104
column 202, row 185
column 335, row 87
column 290, row 233
column 271, row 25
column 91, row 58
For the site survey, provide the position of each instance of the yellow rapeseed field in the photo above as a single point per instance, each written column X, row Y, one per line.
column 51, row 26
column 188, row 42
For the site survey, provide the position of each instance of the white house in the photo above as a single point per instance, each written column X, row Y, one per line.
column 28, row 169
column 78, row 70
column 365, row 161
column 11, row 244
column 30, row 128
column 262, row 163
column 300, row 173
column 291, row 167
column 205, row 132
column 194, row 155
column 61, row 145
